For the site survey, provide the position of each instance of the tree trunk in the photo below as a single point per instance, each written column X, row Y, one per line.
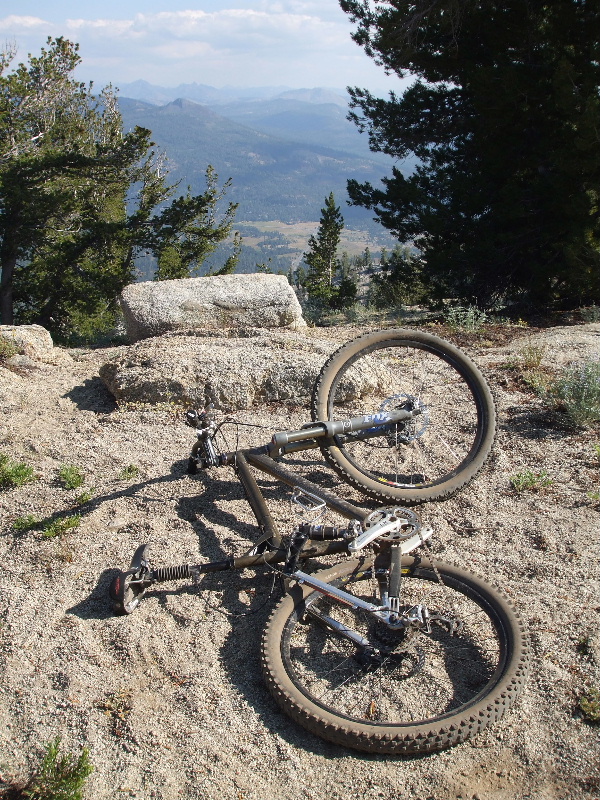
column 9, row 251
column 6, row 288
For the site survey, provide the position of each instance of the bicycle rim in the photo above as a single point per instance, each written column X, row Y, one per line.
column 435, row 453
column 427, row 691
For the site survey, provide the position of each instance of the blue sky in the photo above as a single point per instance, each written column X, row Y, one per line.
column 296, row 43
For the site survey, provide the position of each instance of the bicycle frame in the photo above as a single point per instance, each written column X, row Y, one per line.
column 269, row 549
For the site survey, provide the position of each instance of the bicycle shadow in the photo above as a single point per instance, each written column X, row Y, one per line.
column 247, row 599
column 97, row 604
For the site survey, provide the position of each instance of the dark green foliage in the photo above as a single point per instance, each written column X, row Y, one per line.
column 399, row 281
column 80, row 200
column 185, row 233
column 14, row 473
column 326, row 279
column 70, row 476
column 60, row 189
column 503, row 118
column 322, row 256
column 60, row 777
column 231, row 262
column 344, row 294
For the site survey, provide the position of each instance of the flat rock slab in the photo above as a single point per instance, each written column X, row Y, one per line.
column 152, row 308
column 245, row 369
column 558, row 347
column 251, row 367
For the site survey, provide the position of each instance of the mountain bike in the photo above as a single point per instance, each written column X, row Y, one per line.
column 390, row 650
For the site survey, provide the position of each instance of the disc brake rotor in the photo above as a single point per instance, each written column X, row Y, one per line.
column 406, row 432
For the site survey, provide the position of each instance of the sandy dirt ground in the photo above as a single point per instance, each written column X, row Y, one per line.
column 170, row 701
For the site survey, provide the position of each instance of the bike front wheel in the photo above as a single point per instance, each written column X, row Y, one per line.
column 410, row 691
column 432, row 455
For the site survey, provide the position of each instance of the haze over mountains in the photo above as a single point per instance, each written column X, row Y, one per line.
column 284, row 150
column 208, row 95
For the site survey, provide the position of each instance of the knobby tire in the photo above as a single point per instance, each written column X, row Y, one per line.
column 436, row 453
column 429, row 692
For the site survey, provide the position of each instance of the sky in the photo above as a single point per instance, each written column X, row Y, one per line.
column 294, row 43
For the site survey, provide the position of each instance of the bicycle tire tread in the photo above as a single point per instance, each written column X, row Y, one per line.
column 418, row 495
column 407, row 739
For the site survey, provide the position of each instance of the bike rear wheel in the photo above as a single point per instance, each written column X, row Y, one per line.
column 433, row 455
column 426, row 691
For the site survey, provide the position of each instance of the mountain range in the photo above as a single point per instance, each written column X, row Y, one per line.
column 284, row 150
column 209, row 95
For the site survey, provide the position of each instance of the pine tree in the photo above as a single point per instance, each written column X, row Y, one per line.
column 80, row 200
column 322, row 256
column 503, row 119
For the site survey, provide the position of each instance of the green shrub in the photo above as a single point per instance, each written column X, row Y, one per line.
column 59, row 526
column 8, row 349
column 84, row 497
column 530, row 356
column 529, row 481
column 13, row 473
column 590, row 314
column 128, row 472
column 71, row 477
column 589, row 705
column 577, row 391
column 99, row 328
column 24, row 524
column 465, row 318
column 399, row 282
column 60, row 776
column 527, row 363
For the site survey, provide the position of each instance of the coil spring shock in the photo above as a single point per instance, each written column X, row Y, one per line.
column 173, row 573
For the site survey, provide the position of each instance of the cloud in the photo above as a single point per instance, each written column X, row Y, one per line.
column 293, row 42
column 15, row 22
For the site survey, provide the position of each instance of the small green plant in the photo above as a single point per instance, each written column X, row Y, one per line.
column 129, row 472
column 8, row 349
column 529, row 481
column 24, row 524
column 465, row 318
column 590, row 314
column 117, row 706
column 584, row 645
column 13, row 473
column 589, row 705
column 50, row 530
column 577, row 391
column 60, row 776
column 530, row 356
column 84, row 497
column 70, row 476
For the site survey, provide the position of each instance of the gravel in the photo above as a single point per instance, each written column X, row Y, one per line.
column 170, row 700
